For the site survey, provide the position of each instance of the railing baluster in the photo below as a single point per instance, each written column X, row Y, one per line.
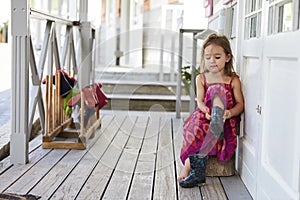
column 66, row 46
column 56, row 50
column 43, row 55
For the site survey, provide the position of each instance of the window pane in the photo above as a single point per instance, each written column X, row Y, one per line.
column 271, row 20
column 248, row 6
column 259, row 4
column 253, row 5
column 280, row 18
column 234, row 19
column 258, row 28
column 285, row 18
column 253, row 23
column 298, row 26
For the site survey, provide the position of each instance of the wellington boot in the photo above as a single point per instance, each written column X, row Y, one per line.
column 197, row 174
column 216, row 125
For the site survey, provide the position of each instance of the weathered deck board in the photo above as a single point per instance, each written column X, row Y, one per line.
column 165, row 180
column 38, row 171
column 15, row 172
column 34, row 144
column 213, row 189
column 59, row 173
column 134, row 155
column 124, row 170
column 72, row 185
column 113, row 148
column 96, row 184
column 142, row 183
column 235, row 188
column 51, row 182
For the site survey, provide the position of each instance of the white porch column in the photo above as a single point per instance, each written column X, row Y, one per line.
column 86, row 45
column 20, row 81
column 124, row 28
column 86, row 54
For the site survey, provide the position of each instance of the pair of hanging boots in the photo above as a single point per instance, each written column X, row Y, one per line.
column 196, row 177
column 216, row 125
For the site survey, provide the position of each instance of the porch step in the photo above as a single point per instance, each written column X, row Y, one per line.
column 132, row 89
column 139, row 87
column 146, row 102
column 132, row 76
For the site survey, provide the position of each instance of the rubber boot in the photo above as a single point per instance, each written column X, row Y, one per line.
column 197, row 174
column 216, row 125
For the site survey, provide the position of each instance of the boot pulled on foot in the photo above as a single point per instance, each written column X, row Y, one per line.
column 197, row 174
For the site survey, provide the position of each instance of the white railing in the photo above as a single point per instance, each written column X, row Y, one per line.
column 51, row 56
column 50, row 50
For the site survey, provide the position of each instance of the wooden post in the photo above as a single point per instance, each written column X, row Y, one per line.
column 82, row 116
column 47, row 127
column 50, row 102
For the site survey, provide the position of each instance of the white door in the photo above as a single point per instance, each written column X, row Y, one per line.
column 271, row 145
column 251, row 77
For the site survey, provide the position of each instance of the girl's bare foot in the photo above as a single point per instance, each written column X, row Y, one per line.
column 185, row 170
column 183, row 174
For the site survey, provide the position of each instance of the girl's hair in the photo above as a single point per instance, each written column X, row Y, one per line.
column 223, row 42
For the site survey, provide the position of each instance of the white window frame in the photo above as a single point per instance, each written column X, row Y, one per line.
column 273, row 20
column 253, row 11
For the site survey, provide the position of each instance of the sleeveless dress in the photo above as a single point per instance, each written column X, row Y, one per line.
column 196, row 127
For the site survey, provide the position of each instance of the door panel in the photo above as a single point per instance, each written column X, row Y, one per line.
column 251, row 82
column 280, row 105
column 279, row 165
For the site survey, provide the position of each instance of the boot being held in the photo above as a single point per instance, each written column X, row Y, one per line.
column 216, row 124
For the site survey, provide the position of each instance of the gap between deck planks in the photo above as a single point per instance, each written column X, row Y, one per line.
column 134, row 155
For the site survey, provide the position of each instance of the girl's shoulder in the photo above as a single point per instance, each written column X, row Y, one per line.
column 235, row 79
column 201, row 78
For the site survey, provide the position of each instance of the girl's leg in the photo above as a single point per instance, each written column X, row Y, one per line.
column 185, row 170
column 218, row 102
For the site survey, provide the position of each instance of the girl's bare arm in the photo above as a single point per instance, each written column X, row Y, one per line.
column 239, row 98
column 200, row 93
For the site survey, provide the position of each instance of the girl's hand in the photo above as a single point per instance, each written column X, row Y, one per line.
column 207, row 115
column 227, row 115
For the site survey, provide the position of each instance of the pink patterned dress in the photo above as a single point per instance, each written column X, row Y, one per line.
column 196, row 126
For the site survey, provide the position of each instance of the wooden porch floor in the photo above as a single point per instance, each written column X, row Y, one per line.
column 134, row 155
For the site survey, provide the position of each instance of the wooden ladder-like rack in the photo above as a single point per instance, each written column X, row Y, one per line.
column 60, row 125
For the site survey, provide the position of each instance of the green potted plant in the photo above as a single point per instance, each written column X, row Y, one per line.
column 1, row 31
column 186, row 76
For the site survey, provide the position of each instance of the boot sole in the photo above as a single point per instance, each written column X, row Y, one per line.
column 198, row 185
column 201, row 184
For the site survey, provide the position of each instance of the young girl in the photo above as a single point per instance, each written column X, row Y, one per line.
column 212, row 128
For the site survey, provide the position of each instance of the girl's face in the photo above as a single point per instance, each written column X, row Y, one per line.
column 215, row 58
